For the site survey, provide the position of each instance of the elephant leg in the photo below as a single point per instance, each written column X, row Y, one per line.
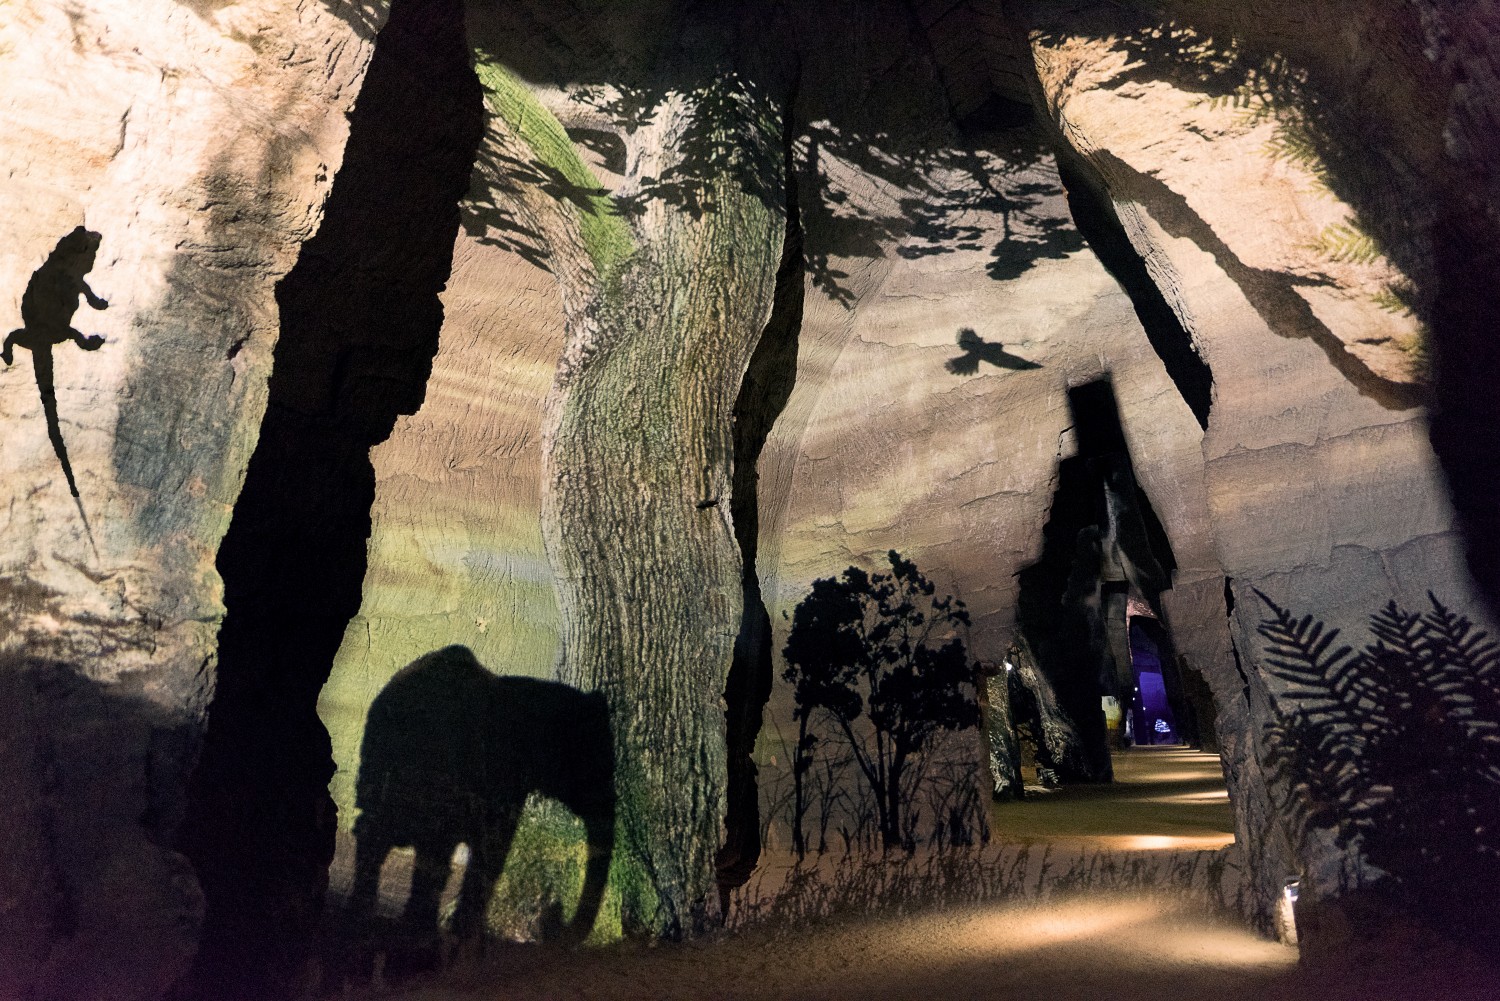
column 416, row 950
column 371, row 847
column 600, row 825
column 488, row 850
column 434, row 863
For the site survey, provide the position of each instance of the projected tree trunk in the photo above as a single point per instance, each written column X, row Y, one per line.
column 667, row 290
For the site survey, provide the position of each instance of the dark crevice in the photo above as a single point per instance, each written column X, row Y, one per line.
column 1061, row 625
column 1095, row 216
column 360, row 316
column 996, row 113
column 1466, row 372
column 1234, row 648
column 767, row 385
column 1139, row 532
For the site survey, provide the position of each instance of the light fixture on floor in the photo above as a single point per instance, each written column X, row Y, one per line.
column 1286, row 912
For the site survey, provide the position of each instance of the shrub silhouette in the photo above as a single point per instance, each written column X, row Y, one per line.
column 877, row 646
column 1396, row 750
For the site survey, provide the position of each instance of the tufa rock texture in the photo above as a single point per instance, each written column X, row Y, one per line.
column 199, row 142
column 588, row 336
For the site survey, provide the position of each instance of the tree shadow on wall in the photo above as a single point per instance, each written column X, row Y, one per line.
column 504, row 169
column 743, row 130
column 362, row 15
column 450, row 754
column 879, row 675
column 1267, row 87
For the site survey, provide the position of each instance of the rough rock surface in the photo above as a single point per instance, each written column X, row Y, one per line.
column 1322, row 488
column 456, row 551
column 544, row 455
column 199, row 141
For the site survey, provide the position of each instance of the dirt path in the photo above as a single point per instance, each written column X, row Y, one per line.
column 1096, row 949
column 1103, row 947
column 1162, row 797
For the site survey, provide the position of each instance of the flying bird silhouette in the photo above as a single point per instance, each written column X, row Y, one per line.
column 976, row 349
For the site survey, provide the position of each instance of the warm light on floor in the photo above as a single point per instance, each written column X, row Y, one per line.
column 1140, row 933
column 1163, row 842
column 1210, row 796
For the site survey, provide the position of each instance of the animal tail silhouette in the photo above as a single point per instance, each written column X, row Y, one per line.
column 41, row 360
column 600, row 825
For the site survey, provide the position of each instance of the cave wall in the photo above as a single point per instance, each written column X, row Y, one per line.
column 895, row 435
column 655, row 215
column 456, row 552
column 199, row 142
column 1322, row 486
column 558, row 494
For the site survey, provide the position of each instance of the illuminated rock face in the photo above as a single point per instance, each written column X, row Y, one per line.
column 531, row 394
column 1249, row 191
column 199, row 141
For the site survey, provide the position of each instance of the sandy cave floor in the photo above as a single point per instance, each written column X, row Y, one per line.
column 1162, row 797
column 1090, row 948
column 1097, row 947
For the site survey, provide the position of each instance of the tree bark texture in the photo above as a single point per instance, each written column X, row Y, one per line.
column 667, row 290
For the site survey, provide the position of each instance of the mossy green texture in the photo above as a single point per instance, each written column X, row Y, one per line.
column 605, row 234
column 432, row 583
column 538, row 891
column 645, row 426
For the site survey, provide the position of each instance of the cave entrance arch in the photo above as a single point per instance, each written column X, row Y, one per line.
column 1093, row 683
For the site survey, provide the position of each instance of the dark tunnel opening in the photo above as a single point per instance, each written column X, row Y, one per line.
column 1172, row 704
column 1103, row 549
column 1066, row 636
column 360, row 316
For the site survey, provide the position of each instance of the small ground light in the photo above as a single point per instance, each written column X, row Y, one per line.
column 1009, row 666
column 1286, row 913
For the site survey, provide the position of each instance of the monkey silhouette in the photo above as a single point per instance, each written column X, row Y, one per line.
column 47, row 309
column 449, row 755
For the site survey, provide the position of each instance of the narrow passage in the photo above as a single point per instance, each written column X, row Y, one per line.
column 1168, row 797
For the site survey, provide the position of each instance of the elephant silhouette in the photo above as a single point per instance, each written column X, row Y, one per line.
column 450, row 753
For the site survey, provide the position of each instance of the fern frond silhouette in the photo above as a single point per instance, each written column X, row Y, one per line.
column 1395, row 750
column 1348, row 243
